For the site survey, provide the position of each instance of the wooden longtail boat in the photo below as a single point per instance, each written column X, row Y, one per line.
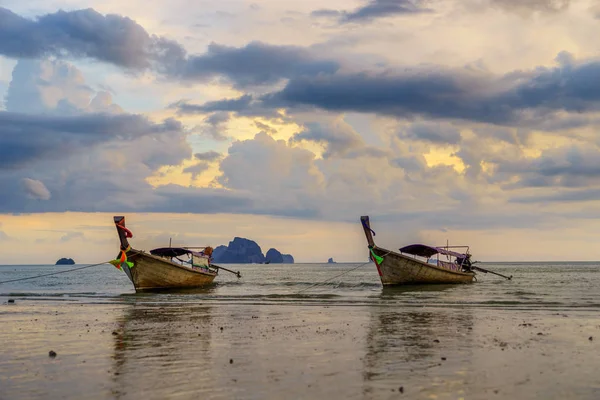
column 404, row 268
column 162, row 268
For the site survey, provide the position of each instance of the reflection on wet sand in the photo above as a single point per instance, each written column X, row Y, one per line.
column 405, row 345
column 161, row 346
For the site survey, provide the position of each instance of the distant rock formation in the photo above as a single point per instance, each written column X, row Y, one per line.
column 330, row 261
column 65, row 261
column 239, row 251
column 245, row 251
column 274, row 256
column 218, row 253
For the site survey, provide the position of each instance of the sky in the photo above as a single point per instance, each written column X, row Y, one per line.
column 468, row 121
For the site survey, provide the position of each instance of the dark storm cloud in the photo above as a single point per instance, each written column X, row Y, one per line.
column 27, row 138
column 256, row 63
column 375, row 9
column 434, row 93
column 525, row 98
column 85, row 33
column 121, row 41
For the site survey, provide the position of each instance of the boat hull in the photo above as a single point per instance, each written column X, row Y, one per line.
column 399, row 269
column 151, row 272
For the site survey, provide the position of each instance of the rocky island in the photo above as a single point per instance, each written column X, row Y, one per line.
column 65, row 261
column 246, row 251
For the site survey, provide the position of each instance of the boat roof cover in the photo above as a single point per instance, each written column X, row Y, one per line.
column 428, row 251
column 174, row 252
column 169, row 252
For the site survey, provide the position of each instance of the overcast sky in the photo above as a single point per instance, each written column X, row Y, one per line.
column 472, row 121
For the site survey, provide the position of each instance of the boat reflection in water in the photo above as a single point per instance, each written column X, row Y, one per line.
column 162, row 348
column 418, row 346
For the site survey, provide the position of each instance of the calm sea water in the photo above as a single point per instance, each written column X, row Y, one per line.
column 535, row 285
column 273, row 335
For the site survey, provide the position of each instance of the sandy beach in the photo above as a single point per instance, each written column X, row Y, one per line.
column 315, row 346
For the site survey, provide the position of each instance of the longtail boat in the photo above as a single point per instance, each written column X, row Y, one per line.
column 163, row 268
column 415, row 263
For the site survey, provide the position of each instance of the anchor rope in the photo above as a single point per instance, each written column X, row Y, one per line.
column 333, row 277
column 55, row 273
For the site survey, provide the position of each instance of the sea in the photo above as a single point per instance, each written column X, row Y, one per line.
column 295, row 331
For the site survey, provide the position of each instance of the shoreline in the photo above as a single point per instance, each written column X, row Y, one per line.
column 130, row 348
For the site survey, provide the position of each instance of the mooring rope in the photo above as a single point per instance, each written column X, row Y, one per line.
column 55, row 273
column 333, row 277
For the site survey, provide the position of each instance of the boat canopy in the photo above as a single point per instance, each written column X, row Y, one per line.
column 428, row 251
column 170, row 252
column 175, row 252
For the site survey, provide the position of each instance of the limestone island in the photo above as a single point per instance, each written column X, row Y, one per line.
column 246, row 251
column 65, row 261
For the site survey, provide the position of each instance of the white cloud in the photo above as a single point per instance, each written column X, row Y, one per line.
column 36, row 189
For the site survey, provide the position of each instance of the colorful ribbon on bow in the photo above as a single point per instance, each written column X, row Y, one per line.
column 376, row 258
column 121, row 262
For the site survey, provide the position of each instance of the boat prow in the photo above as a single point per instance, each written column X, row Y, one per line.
column 162, row 268
column 414, row 265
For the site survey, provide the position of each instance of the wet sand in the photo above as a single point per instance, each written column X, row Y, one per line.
column 132, row 349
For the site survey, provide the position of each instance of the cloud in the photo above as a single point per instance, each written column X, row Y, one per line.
column 255, row 64
column 266, row 165
column 121, row 41
column 434, row 132
column 54, row 86
column 208, row 156
column 265, row 128
column 338, row 139
column 239, row 104
column 563, row 196
column 36, row 189
column 246, row 105
column 375, row 9
column 530, row 6
column 25, row 139
column 518, row 98
column 86, row 33
column 215, row 126
column 570, row 167
column 196, row 170
column 69, row 236
column 174, row 198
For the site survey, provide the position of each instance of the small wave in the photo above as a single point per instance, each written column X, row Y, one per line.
column 522, row 293
column 304, row 284
column 42, row 294
column 515, row 302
